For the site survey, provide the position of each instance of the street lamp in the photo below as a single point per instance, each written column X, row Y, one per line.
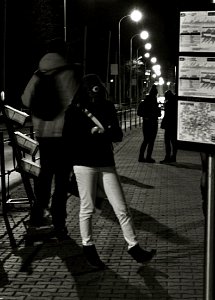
column 148, row 46
column 144, row 62
column 65, row 20
column 153, row 60
column 135, row 16
column 143, row 35
column 146, row 55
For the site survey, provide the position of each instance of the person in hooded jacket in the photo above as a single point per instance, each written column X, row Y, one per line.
column 150, row 111
column 91, row 126
column 51, row 147
column 169, row 124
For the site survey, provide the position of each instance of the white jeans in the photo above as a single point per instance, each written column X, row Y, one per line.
column 89, row 180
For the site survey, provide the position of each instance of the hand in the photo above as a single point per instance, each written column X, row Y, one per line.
column 97, row 129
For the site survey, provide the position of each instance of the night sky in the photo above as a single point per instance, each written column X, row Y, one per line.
column 160, row 19
column 100, row 18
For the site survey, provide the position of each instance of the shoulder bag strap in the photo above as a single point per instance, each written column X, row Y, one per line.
column 93, row 118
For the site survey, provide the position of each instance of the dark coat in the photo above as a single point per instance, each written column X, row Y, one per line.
column 85, row 148
column 149, row 109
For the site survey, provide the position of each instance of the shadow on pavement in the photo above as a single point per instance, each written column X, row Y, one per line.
column 149, row 275
column 185, row 165
column 3, row 276
column 87, row 282
column 127, row 180
column 147, row 223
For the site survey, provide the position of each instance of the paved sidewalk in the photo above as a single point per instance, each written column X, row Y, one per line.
column 165, row 201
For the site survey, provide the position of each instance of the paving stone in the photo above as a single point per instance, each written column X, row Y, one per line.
column 165, row 202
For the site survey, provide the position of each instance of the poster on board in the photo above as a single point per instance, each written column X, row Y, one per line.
column 196, row 122
column 196, row 76
column 197, row 31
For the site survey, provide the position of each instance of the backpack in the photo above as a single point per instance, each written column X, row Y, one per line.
column 46, row 103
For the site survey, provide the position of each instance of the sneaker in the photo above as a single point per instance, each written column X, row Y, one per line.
column 150, row 160
column 93, row 257
column 140, row 255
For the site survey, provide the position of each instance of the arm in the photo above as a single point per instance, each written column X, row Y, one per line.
column 113, row 130
column 29, row 91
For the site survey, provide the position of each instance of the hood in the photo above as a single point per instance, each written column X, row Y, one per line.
column 51, row 61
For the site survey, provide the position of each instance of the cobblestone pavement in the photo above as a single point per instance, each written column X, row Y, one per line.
column 165, row 202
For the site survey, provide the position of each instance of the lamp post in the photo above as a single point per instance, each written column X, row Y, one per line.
column 144, row 59
column 135, row 16
column 143, row 35
column 65, row 29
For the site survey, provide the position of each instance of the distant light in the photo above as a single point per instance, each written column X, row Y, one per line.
column 111, row 80
column 157, row 69
column 148, row 46
column 161, row 81
column 147, row 55
column 144, row 35
column 168, row 83
column 153, row 60
column 136, row 15
column 2, row 95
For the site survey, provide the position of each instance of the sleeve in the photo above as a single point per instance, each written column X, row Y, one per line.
column 140, row 109
column 113, row 129
column 29, row 91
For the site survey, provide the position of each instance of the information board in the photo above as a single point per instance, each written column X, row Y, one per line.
column 197, row 31
column 196, row 76
column 196, row 80
column 196, row 122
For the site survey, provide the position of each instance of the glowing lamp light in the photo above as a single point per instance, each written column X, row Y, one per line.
column 148, row 46
column 144, row 35
column 136, row 15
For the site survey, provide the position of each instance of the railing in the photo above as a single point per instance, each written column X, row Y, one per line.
column 128, row 117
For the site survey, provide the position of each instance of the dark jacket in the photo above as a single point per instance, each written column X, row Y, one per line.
column 67, row 87
column 85, row 148
column 149, row 109
column 169, row 120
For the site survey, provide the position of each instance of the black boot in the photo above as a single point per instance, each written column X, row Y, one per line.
column 93, row 257
column 140, row 255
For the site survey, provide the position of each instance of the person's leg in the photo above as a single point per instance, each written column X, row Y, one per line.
column 62, row 171
column 151, row 137
column 109, row 179
column 115, row 194
column 42, row 184
column 87, row 186
column 174, row 145
column 167, row 147
column 87, row 179
column 143, row 145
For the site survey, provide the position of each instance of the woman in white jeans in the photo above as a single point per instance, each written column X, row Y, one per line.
column 91, row 125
